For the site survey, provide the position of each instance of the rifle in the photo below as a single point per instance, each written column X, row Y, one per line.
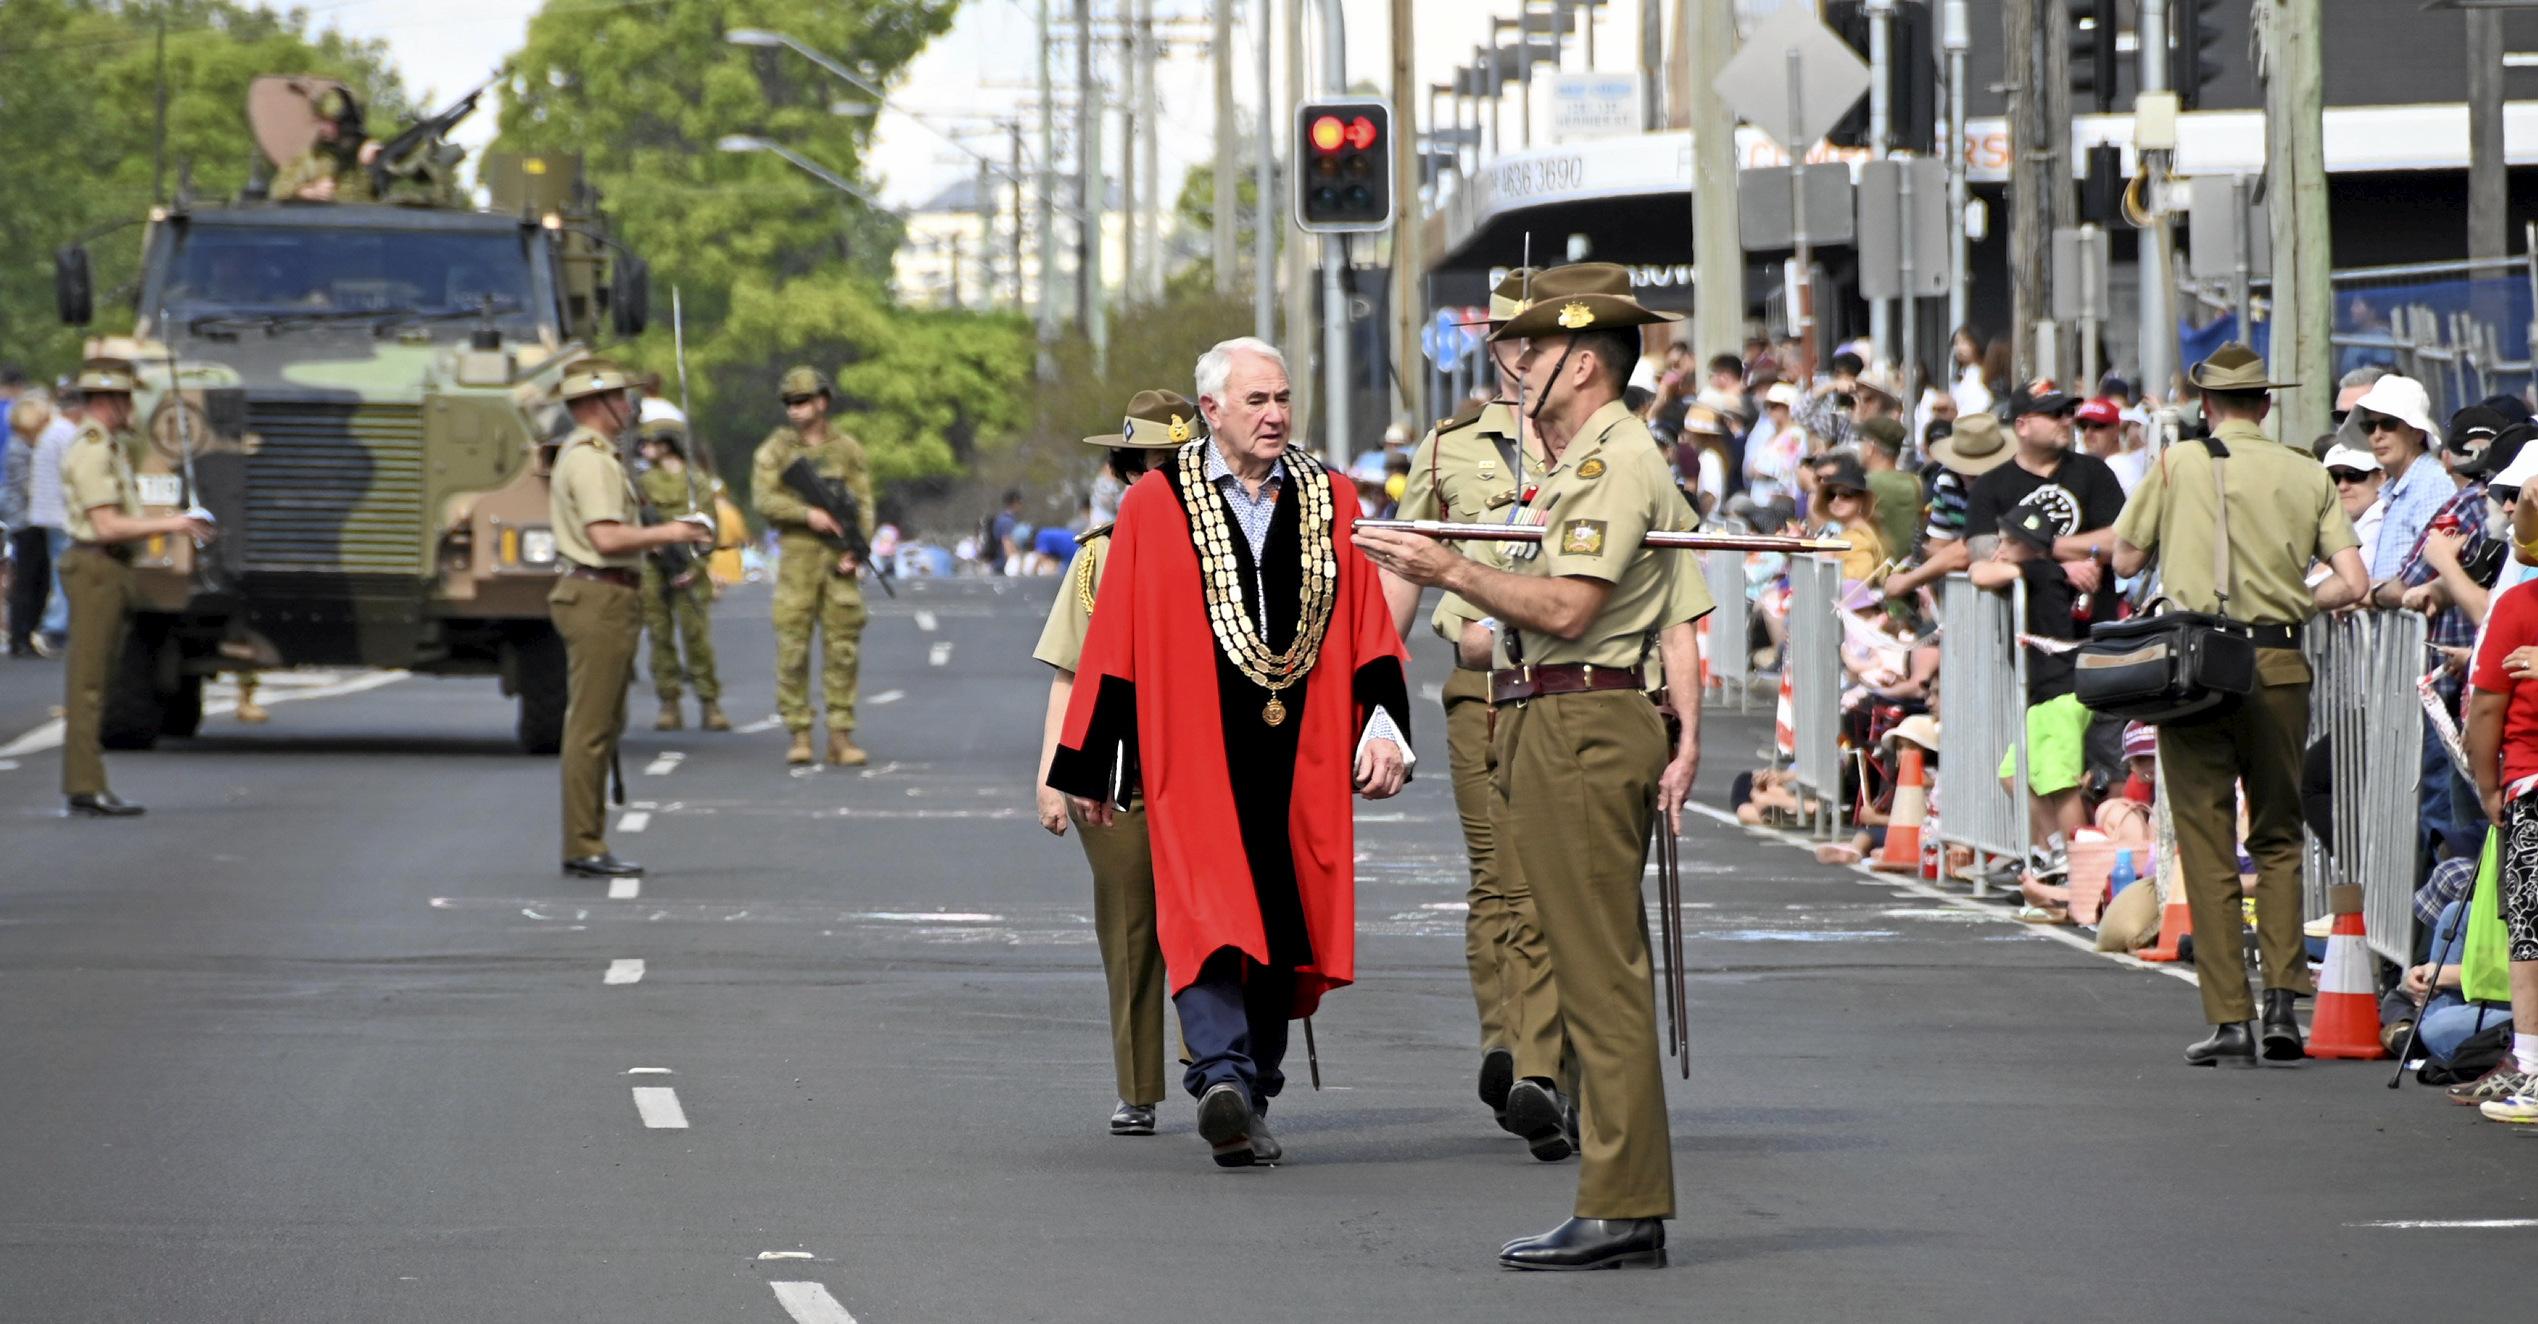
column 825, row 493
column 392, row 162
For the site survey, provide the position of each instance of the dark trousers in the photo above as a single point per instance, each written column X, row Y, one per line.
column 30, row 582
column 1234, row 1023
column 2255, row 743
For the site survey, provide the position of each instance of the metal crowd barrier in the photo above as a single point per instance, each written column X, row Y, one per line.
column 2363, row 700
column 1814, row 668
column 1982, row 715
column 1731, row 647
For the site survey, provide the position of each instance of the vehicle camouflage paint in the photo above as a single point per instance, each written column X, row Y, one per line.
column 366, row 393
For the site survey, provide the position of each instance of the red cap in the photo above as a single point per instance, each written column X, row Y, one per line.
column 2100, row 411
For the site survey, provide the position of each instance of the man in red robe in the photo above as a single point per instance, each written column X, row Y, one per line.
column 1242, row 671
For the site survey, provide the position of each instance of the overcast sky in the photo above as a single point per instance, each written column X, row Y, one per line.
column 984, row 67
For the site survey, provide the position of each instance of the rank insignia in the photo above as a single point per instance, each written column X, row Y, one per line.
column 1582, row 537
column 1576, row 316
column 1180, row 428
column 1593, row 468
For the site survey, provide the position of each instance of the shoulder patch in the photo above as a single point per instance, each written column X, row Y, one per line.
column 1470, row 415
column 1582, row 537
column 1089, row 535
column 1593, row 468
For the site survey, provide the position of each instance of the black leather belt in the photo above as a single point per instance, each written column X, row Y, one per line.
column 606, row 574
column 1517, row 684
column 2274, row 636
column 112, row 551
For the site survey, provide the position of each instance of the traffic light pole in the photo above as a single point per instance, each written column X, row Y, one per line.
column 1334, row 34
column 1881, row 145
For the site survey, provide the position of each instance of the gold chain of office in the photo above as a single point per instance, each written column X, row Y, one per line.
column 1221, row 576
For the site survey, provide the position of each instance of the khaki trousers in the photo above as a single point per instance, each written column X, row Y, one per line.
column 1502, row 938
column 811, row 595
column 601, row 624
column 2256, row 743
column 680, row 618
column 99, row 590
column 1132, row 957
column 1579, row 772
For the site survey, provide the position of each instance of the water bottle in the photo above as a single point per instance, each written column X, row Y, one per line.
column 2123, row 876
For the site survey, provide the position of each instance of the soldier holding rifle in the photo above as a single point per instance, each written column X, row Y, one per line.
column 1584, row 760
column 816, row 587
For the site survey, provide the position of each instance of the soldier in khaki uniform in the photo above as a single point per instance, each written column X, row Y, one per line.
column 816, row 585
column 103, row 517
column 1123, row 871
column 597, row 601
column 333, row 169
column 2283, row 515
column 1584, row 762
column 679, row 615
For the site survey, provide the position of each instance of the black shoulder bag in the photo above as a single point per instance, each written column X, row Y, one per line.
column 2167, row 665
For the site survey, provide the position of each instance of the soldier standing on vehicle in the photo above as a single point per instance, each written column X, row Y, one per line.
column 678, row 612
column 815, row 582
column 103, row 508
column 597, row 601
column 333, row 169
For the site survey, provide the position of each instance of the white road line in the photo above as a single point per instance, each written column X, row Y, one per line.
column 925, row 621
column 659, row 1107
column 650, row 1071
column 2422, row 1224
column 886, row 696
column 786, row 1255
column 624, row 889
column 634, row 820
column 940, row 654
column 49, row 735
column 810, row 1303
column 663, row 765
column 762, row 724
column 624, row 971
column 1432, row 693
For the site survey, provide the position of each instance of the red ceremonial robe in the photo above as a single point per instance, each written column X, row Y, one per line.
column 1253, row 835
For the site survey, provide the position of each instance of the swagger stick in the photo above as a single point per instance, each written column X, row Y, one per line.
column 1312, row 1053
column 1451, row 531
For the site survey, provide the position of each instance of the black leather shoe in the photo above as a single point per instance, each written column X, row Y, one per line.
column 1224, row 1122
column 1497, row 1076
column 2280, row 1038
column 603, row 865
column 1534, row 1111
column 1132, row 1119
column 2232, row 1045
column 103, row 805
column 1591, row 1243
column 1264, row 1146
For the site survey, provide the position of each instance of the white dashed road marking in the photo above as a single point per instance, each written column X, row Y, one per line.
column 810, row 1303
column 2422, row 1224
column 886, row 696
column 624, row 971
column 634, row 820
column 624, row 889
column 762, row 724
column 940, row 654
column 925, row 621
column 664, row 765
column 659, row 1107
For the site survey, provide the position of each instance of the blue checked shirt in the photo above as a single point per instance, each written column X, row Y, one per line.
column 2412, row 501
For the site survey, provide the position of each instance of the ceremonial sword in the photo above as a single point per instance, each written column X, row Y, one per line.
column 1452, row 531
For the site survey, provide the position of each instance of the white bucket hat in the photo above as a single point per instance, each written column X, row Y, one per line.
column 2403, row 399
column 2352, row 457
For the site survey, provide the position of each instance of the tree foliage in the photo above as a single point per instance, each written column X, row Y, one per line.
column 78, row 126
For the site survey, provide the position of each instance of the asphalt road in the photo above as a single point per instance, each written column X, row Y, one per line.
column 326, row 1037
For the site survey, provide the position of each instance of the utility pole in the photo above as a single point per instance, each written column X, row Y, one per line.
column 1228, row 195
column 1264, row 230
column 1707, row 35
column 1046, row 221
column 1956, row 35
column 1408, row 306
column 1089, row 191
column 1881, row 145
column 2296, row 194
column 1013, row 175
column 986, row 200
column 2062, row 210
column 1296, row 329
column 2030, row 214
column 2157, row 241
column 1652, row 55
column 1131, row 94
column 1149, row 164
column 2487, row 197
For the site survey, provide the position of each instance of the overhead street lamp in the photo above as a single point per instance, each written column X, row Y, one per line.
column 761, row 37
column 744, row 142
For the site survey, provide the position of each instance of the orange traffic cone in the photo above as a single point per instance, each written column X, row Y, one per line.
column 2176, row 920
column 1784, row 719
column 2346, row 1024
column 1701, row 643
column 1902, row 852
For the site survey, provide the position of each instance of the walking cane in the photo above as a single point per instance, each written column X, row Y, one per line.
column 1670, row 940
column 1312, row 1053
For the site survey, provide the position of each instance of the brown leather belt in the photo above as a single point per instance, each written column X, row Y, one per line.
column 1517, row 684
column 605, row 574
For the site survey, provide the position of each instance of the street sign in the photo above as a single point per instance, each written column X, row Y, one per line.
column 1885, row 226
column 1586, row 106
column 1793, row 79
column 2081, row 288
column 1765, row 217
column 2219, row 220
column 1443, row 340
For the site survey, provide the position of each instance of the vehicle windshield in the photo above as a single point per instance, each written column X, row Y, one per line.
column 322, row 273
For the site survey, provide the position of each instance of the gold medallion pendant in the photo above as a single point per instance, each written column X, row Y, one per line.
column 1238, row 637
column 1276, row 713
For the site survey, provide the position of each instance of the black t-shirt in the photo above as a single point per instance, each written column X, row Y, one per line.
column 2050, row 603
column 2091, row 485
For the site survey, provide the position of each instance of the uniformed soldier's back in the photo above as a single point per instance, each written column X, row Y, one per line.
column 2282, row 511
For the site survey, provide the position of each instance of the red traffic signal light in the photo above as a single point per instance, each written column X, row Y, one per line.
column 1328, row 133
column 1345, row 182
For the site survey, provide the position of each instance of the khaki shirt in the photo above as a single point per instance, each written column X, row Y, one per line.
column 1609, row 490
column 1062, row 639
column 840, row 457
column 667, row 492
column 589, row 487
column 96, row 471
column 1464, row 471
column 2283, row 516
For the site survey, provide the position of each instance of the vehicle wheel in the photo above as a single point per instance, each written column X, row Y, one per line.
column 136, row 713
column 181, row 713
column 539, row 674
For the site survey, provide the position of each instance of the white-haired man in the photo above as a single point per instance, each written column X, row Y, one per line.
column 1243, row 670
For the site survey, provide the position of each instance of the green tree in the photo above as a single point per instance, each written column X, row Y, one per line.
column 78, row 126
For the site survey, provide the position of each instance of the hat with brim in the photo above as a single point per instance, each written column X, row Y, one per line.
column 114, row 376
column 2506, row 450
column 593, row 376
column 2351, row 457
column 1582, row 296
column 1884, row 380
column 2403, row 399
column 1976, row 446
column 1508, row 299
column 2235, row 367
column 670, row 430
column 1921, row 729
column 1156, row 421
column 2029, row 524
column 1840, row 471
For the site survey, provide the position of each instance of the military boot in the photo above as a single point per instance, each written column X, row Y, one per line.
column 249, row 710
column 709, row 715
column 799, row 753
column 842, row 752
column 669, row 720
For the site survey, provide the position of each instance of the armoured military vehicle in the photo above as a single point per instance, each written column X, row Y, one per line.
column 359, row 393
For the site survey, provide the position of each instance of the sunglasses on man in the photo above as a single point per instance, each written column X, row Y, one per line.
column 2346, row 476
column 791, row 400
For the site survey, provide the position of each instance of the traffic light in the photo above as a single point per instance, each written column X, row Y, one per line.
column 1912, row 75
column 1343, row 184
column 2093, row 65
column 2196, row 54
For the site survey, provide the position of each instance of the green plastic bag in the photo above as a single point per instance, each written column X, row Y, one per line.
column 2485, row 967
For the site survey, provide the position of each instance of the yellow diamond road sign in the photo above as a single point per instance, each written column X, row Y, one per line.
column 1793, row 79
